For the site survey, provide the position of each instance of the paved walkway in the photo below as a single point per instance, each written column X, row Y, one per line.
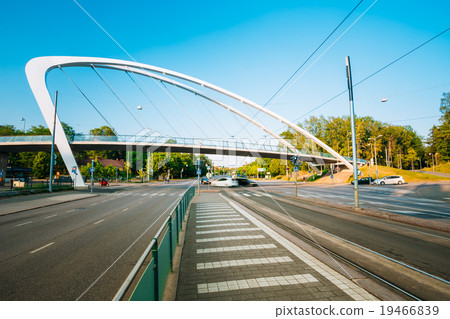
column 229, row 255
column 26, row 202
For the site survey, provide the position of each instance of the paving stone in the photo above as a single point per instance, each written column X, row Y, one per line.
column 257, row 273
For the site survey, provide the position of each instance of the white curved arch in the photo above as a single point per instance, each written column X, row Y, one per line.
column 37, row 69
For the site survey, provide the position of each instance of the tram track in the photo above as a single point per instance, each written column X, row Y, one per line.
column 404, row 279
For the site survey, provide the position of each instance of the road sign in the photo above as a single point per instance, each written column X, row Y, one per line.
column 199, row 172
column 91, row 170
column 296, row 169
column 331, row 176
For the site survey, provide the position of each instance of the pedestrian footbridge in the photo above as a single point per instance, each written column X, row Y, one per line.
column 12, row 144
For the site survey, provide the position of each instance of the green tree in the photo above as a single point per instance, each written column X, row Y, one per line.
column 439, row 136
column 41, row 165
column 8, row 130
column 102, row 131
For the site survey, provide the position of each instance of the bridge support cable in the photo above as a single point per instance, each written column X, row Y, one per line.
column 150, row 100
column 227, row 134
column 89, row 101
column 311, row 55
column 369, row 76
column 166, row 90
column 122, row 101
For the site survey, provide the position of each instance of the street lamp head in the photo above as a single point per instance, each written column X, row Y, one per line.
column 379, row 136
column 384, row 100
column 139, row 107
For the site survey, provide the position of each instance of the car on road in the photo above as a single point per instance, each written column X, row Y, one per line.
column 365, row 180
column 224, row 182
column 205, row 180
column 390, row 180
column 243, row 181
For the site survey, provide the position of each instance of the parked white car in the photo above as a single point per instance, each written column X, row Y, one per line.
column 224, row 182
column 390, row 180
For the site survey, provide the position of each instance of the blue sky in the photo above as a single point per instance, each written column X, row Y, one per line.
column 248, row 47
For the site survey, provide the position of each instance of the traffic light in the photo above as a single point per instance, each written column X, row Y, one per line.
column 294, row 160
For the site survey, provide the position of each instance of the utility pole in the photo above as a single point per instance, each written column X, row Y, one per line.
column 92, row 176
column 352, row 118
column 52, row 153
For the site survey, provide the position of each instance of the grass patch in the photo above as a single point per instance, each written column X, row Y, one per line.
column 407, row 175
column 443, row 168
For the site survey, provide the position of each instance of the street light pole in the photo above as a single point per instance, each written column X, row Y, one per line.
column 24, row 123
column 52, row 153
column 432, row 159
column 376, row 164
column 352, row 119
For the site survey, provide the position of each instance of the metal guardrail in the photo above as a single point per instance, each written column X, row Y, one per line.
column 221, row 143
column 152, row 283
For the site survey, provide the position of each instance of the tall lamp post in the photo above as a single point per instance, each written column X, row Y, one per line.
column 371, row 160
column 352, row 119
column 432, row 159
column 24, row 123
column 376, row 164
column 52, row 153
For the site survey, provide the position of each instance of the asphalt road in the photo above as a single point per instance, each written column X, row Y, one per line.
column 81, row 250
column 425, row 249
column 423, row 200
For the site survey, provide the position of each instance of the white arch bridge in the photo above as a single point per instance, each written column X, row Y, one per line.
column 37, row 69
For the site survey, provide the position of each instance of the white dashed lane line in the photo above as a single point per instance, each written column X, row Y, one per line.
column 18, row 225
column 51, row 216
column 98, row 222
column 125, row 209
column 36, row 250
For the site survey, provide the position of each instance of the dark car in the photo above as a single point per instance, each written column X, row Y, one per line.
column 365, row 180
column 205, row 180
column 242, row 181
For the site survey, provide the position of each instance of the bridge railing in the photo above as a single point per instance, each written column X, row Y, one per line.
column 200, row 142
column 159, row 256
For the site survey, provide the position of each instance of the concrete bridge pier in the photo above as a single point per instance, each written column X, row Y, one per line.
column 3, row 164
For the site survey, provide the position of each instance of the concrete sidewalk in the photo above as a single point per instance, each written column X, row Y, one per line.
column 230, row 255
column 18, row 204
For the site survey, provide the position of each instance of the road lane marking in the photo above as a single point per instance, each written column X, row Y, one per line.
column 98, row 221
column 228, row 238
column 125, row 209
column 32, row 252
column 104, row 201
column 145, row 194
column 231, row 230
column 93, row 204
column 54, row 215
column 23, row 224
column 235, row 248
column 255, row 283
column 140, row 202
column 220, row 220
column 162, row 194
column 72, row 210
column 221, row 225
column 243, row 262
